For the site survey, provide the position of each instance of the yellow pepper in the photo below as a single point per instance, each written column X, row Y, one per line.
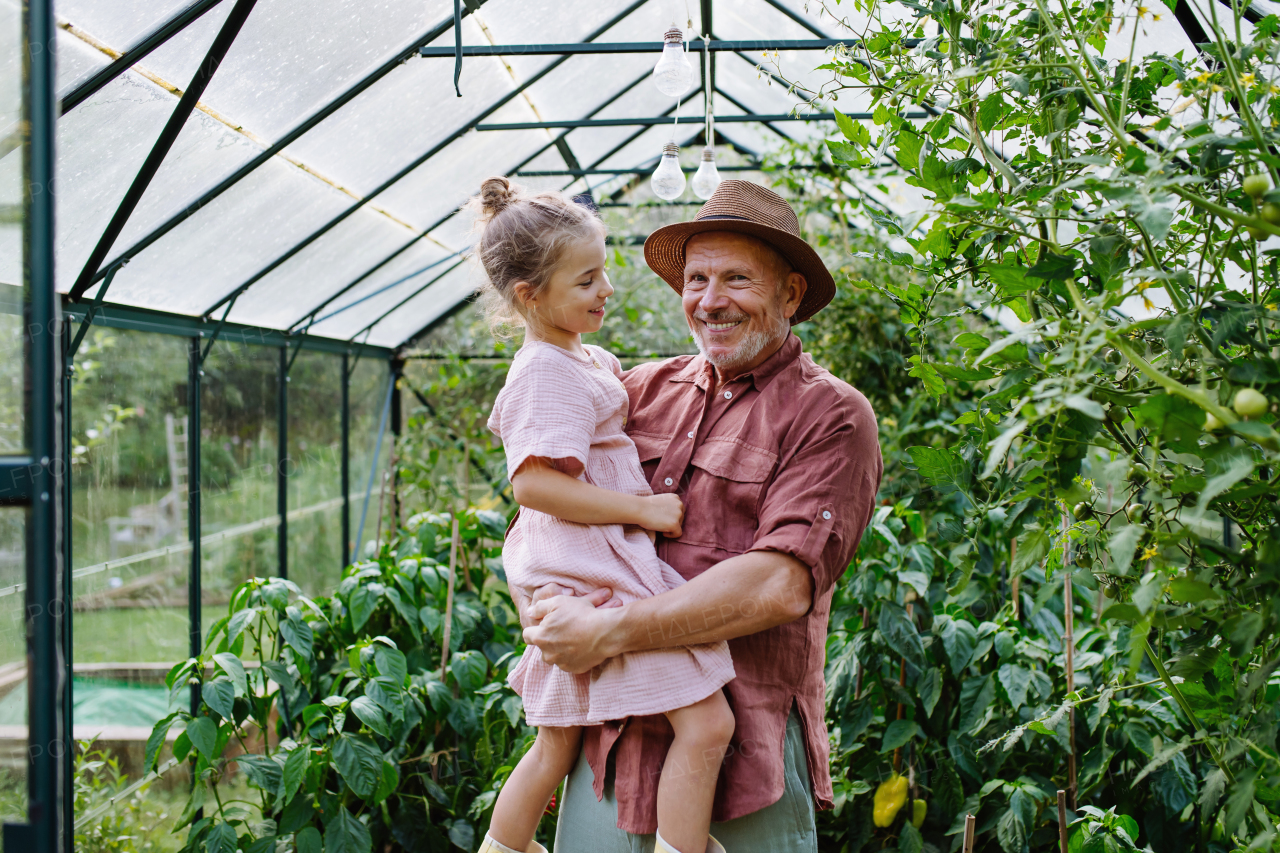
column 890, row 797
column 919, row 808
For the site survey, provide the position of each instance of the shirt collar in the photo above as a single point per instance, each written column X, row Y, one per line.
column 700, row 372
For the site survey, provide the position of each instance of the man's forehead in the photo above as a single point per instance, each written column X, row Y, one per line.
column 725, row 248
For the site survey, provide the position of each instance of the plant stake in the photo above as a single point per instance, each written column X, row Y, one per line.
column 448, row 600
column 1068, row 642
column 969, row 822
column 1062, row 820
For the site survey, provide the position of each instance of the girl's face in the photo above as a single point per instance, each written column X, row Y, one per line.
column 573, row 301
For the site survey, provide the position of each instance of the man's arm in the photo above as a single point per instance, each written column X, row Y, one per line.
column 739, row 596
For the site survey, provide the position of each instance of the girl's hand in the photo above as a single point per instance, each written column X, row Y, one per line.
column 663, row 514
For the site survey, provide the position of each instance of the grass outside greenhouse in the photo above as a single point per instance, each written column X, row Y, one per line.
column 1053, row 229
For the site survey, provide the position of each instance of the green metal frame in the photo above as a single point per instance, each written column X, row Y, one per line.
column 35, row 481
column 133, row 55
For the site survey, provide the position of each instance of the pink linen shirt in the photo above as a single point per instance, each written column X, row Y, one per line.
column 785, row 458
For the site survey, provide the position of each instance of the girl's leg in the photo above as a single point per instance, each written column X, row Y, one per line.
column 528, row 789
column 687, row 786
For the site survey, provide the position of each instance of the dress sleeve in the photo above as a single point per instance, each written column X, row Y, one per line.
column 546, row 410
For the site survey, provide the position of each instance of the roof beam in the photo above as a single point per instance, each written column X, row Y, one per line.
column 798, row 18
column 735, row 102
column 655, row 120
column 168, row 135
column 573, row 48
column 413, row 165
column 414, row 240
column 559, row 173
column 399, row 304
column 614, row 150
column 81, row 93
column 279, row 145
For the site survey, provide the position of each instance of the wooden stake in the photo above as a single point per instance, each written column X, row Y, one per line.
column 969, row 825
column 857, row 684
column 902, row 680
column 1015, row 581
column 1102, row 599
column 1015, row 585
column 1068, row 643
column 448, row 600
column 1062, row 821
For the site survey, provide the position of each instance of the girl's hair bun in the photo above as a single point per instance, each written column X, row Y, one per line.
column 495, row 195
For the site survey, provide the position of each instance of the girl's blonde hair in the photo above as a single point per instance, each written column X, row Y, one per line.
column 522, row 238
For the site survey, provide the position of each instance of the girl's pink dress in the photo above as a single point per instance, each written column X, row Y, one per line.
column 556, row 405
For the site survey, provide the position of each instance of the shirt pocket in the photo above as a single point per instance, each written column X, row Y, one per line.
column 723, row 500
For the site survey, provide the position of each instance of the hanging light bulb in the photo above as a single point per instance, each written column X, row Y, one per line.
column 668, row 179
column 673, row 74
column 707, row 178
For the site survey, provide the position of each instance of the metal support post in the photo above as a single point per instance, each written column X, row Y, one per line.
column 42, row 386
column 346, row 462
column 282, row 461
column 68, row 704
column 397, row 415
column 195, row 370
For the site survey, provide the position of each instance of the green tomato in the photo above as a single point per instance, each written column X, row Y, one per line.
column 1249, row 403
column 1081, row 510
column 1211, row 423
column 1271, row 212
column 1258, row 234
column 1134, row 513
column 1256, row 185
column 1109, row 591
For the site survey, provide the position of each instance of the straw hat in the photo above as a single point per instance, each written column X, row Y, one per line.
column 745, row 208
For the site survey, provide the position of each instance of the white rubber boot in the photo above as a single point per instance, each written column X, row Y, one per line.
column 662, row 846
column 491, row 846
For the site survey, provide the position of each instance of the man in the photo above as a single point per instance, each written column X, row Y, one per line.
column 778, row 463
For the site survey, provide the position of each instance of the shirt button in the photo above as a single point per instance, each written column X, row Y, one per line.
column 826, row 514
column 728, row 395
column 690, row 435
column 668, row 481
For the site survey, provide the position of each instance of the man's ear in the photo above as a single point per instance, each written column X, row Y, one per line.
column 793, row 290
column 526, row 293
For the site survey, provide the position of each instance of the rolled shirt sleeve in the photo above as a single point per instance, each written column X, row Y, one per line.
column 822, row 497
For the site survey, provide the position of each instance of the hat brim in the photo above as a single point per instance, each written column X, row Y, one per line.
column 664, row 252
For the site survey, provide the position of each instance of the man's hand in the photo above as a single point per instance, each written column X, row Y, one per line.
column 664, row 514
column 571, row 631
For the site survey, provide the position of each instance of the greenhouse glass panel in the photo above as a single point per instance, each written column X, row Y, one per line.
column 426, row 307
column 369, row 380
column 436, row 189
column 238, row 457
column 320, row 270
column 314, row 472
column 13, row 666
column 317, row 50
column 401, row 117
column 263, row 216
column 130, row 543
column 381, row 290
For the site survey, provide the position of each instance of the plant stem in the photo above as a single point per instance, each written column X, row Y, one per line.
column 1186, row 709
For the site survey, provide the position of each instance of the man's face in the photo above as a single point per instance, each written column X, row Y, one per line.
column 739, row 297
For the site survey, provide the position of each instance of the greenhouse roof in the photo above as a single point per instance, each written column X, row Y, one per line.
column 314, row 184
column 297, row 169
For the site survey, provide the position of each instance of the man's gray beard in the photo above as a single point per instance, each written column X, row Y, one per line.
column 751, row 345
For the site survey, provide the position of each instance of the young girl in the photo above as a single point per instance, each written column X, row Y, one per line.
column 585, row 512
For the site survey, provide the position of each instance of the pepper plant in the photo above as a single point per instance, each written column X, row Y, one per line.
column 338, row 711
column 1098, row 247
